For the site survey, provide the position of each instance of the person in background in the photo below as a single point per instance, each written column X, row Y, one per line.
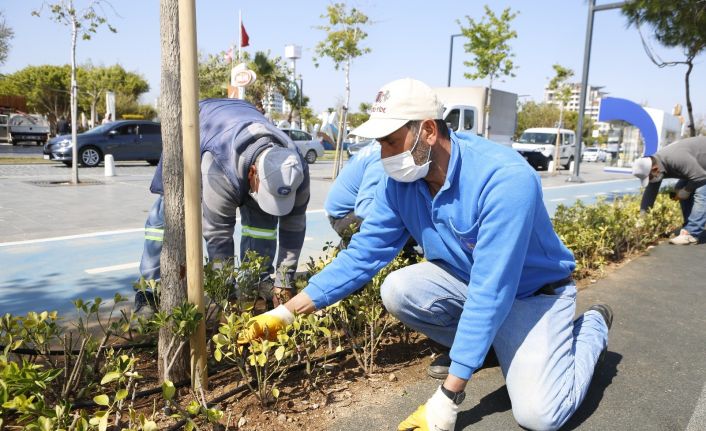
column 250, row 166
column 685, row 160
column 351, row 197
column 63, row 127
column 496, row 272
column 107, row 119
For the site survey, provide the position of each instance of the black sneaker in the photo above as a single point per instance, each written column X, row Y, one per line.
column 144, row 303
column 605, row 311
column 439, row 367
column 607, row 314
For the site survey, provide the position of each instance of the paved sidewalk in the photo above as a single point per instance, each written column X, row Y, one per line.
column 655, row 371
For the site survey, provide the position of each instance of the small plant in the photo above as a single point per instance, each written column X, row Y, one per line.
column 363, row 318
column 268, row 360
column 182, row 321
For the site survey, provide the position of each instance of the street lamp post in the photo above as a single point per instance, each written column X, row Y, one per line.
column 451, row 54
column 592, row 8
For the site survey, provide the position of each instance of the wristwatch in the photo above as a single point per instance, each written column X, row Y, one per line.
column 456, row 397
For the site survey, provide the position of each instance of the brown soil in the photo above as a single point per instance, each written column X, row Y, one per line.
column 309, row 403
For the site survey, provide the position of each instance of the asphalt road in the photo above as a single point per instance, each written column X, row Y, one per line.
column 654, row 375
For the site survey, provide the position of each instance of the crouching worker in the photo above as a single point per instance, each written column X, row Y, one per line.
column 496, row 272
column 249, row 165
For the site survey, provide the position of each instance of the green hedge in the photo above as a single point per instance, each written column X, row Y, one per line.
column 606, row 232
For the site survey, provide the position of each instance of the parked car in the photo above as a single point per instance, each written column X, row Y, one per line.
column 25, row 128
column 310, row 148
column 124, row 140
column 537, row 146
column 593, row 154
column 354, row 148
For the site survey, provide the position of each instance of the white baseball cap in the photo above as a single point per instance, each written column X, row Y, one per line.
column 397, row 103
column 280, row 173
column 641, row 169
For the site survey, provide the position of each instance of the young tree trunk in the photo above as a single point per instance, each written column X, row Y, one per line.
column 557, row 143
column 74, row 103
column 338, row 157
column 173, row 259
column 692, row 127
column 486, row 120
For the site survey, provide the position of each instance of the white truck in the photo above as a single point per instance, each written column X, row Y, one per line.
column 464, row 111
column 16, row 128
column 537, row 146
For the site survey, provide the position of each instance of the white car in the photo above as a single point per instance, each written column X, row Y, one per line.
column 310, row 148
column 593, row 154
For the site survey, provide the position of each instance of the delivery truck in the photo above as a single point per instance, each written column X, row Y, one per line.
column 464, row 111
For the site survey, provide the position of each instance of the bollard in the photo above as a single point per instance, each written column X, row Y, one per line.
column 109, row 163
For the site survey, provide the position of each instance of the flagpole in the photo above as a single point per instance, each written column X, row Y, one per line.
column 240, row 34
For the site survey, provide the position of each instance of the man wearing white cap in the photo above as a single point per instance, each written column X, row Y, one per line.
column 496, row 272
column 247, row 164
column 685, row 160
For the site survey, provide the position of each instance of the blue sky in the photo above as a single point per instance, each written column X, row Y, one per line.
column 408, row 38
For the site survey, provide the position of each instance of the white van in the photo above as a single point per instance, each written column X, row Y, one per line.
column 536, row 145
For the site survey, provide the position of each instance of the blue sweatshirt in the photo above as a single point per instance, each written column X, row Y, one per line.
column 487, row 225
column 354, row 188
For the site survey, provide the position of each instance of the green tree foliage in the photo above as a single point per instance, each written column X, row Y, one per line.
column 272, row 77
column 47, row 89
column 532, row 114
column 360, row 117
column 95, row 81
column 344, row 35
column 6, row 34
column 676, row 24
column 214, row 75
column 488, row 43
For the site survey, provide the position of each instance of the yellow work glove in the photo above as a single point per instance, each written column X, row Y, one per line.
column 438, row 414
column 271, row 322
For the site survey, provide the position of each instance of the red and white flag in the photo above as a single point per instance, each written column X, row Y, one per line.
column 244, row 38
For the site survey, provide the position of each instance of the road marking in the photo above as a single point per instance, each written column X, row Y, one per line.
column 584, row 184
column 62, row 238
column 698, row 419
column 557, row 200
column 104, row 269
column 97, row 234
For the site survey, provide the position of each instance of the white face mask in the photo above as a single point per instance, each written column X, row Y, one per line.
column 657, row 177
column 402, row 168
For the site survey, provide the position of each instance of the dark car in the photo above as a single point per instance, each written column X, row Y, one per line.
column 353, row 148
column 124, row 140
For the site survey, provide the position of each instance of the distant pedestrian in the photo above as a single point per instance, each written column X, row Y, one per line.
column 686, row 161
column 62, row 126
column 108, row 118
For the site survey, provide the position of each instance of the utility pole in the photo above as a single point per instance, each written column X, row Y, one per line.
column 592, row 9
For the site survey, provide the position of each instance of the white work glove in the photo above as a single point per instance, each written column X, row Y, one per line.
column 438, row 414
column 682, row 194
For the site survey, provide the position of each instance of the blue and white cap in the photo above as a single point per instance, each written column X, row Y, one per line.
column 280, row 172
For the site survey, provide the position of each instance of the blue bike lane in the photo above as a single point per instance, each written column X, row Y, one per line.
column 50, row 273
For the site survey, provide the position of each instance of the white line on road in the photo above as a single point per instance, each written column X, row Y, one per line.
column 96, row 234
column 132, row 265
column 62, row 238
column 698, row 419
column 585, row 184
